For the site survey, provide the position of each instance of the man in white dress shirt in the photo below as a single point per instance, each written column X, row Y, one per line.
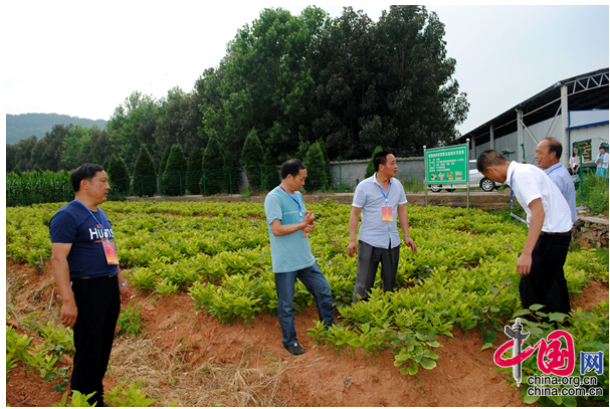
column 550, row 222
column 548, row 153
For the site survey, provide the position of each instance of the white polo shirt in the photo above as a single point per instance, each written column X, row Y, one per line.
column 370, row 197
column 528, row 183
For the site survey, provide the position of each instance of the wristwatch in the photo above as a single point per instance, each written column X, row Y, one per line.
column 123, row 284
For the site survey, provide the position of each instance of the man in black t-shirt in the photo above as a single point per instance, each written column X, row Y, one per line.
column 87, row 276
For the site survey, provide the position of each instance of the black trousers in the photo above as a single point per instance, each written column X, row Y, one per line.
column 99, row 302
column 369, row 258
column 546, row 284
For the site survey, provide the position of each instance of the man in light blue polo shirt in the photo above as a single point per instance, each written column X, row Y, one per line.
column 380, row 198
column 548, row 153
column 289, row 223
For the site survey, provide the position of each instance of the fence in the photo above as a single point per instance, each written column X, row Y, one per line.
column 49, row 187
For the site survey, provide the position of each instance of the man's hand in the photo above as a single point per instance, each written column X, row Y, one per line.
column 125, row 294
column 309, row 228
column 351, row 249
column 409, row 242
column 524, row 264
column 69, row 312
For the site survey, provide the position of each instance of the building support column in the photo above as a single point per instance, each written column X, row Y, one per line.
column 473, row 150
column 520, row 151
column 565, row 136
column 492, row 139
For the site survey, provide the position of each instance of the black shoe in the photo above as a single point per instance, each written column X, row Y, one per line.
column 295, row 349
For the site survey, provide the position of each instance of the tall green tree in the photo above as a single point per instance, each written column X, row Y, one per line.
column 316, row 174
column 134, row 122
column 252, row 157
column 174, row 177
column 271, row 175
column 179, row 121
column 144, row 175
column 370, row 168
column 213, row 165
column 48, row 151
column 119, row 175
column 267, row 81
column 163, row 162
column 194, row 171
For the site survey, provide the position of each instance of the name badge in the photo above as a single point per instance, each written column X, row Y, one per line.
column 386, row 214
column 111, row 257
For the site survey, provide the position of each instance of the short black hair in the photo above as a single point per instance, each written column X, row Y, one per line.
column 291, row 167
column 86, row 171
column 555, row 146
column 381, row 159
column 488, row 158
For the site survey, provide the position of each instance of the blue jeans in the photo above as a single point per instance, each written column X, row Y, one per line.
column 316, row 284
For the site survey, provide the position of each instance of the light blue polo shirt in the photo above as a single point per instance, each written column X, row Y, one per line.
column 369, row 197
column 291, row 252
column 564, row 182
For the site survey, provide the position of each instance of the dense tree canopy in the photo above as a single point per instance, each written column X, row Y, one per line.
column 347, row 83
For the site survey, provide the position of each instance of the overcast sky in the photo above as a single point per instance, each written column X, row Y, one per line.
column 84, row 58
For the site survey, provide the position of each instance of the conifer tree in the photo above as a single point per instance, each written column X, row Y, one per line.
column 271, row 176
column 106, row 164
column 326, row 161
column 314, row 161
column 174, row 176
column 370, row 169
column 213, row 166
column 194, row 171
column 232, row 173
column 163, row 162
column 252, row 156
column 17, row 171
column 144, row 175
column 118, row 175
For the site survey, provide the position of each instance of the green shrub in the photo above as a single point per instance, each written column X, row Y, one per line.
column 144, row 175
column 213, row 166
column 118, row 175
column 130, row 321
column 370, row 168
column 316, row 174
column 194, row 171
column 174, row 176
column 251, row 156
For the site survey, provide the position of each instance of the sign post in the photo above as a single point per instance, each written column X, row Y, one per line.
column 448, row 166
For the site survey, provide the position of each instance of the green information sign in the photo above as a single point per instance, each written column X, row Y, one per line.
column 447, row 165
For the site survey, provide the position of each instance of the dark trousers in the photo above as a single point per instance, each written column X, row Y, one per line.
column 98, row 303
column 546, row 284
column 369, row 258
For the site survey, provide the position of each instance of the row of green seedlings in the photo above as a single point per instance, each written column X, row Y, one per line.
column 239, row 285
column 590, row 333
column 40, row 359
column 410, row 320
column 57, row 342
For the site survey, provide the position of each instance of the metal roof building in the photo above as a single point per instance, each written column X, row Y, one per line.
column 574, row 111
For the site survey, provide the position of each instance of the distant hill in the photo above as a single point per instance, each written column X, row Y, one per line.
column 25, row 125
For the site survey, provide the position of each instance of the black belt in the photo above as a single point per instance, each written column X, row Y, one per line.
column 554, row 234
column 89, row 278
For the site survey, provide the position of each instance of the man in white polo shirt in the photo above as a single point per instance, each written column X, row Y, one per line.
column 380, row 198
column 549, row 218
column 548, row 153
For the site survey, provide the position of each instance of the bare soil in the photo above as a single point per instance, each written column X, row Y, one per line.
column 186, row 356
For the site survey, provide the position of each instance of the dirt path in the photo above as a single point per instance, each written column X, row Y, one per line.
column 192, row 358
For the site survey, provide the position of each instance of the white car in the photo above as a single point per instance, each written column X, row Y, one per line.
column 476, row 180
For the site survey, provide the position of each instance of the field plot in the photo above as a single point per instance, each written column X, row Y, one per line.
column 206, row 301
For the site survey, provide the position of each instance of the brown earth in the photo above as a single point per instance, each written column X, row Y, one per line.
column 188, row 357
